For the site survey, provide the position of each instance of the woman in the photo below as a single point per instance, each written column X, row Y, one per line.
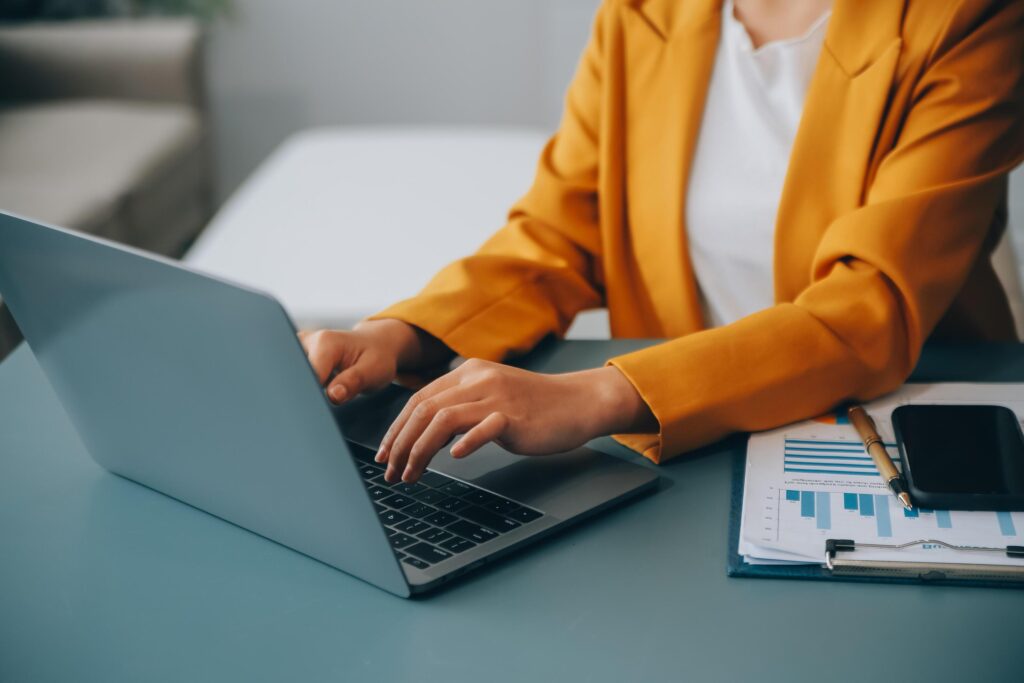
column 797, row 195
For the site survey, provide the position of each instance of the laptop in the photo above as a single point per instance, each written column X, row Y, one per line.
column 199, row 389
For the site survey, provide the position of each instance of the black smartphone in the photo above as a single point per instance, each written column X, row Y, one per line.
column 961, row 457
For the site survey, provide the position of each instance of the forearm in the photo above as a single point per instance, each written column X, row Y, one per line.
column 783, row 364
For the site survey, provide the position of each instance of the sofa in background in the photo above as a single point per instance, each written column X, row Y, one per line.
column 102, row 129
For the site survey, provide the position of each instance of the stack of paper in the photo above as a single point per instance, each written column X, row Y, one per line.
column 812, row 481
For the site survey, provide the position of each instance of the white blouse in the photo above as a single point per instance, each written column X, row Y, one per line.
column 751, row 114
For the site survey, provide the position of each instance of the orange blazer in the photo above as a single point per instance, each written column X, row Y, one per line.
column 894, row 198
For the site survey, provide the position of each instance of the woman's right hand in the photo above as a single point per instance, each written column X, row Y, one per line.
column 368, row 357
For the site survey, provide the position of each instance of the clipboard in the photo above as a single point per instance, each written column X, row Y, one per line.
column 844, row 568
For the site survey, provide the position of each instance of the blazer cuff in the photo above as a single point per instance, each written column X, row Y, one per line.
column 651, row 446
column 685, row 418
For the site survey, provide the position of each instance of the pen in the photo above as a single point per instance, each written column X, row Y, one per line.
column 876, row 449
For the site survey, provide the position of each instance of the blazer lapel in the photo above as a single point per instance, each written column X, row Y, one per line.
column 832, row 155
column 669, row 62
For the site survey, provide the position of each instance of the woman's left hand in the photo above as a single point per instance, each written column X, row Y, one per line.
column 525, row 412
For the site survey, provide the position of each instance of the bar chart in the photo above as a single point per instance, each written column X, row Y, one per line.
column 879, row 514
column 824, row 457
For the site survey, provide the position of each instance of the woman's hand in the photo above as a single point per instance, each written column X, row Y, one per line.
column 368, row 357
column 525, row 412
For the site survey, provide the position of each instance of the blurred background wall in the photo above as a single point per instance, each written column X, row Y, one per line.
column 275, row 67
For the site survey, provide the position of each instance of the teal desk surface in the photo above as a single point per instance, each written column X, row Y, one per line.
column 102, row 579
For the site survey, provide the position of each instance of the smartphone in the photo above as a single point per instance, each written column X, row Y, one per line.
column 961, row 457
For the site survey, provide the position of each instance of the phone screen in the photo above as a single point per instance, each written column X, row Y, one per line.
column 961, row 449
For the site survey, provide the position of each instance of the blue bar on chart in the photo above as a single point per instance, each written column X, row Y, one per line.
column 882, row 516
column 849, row 501
column 823, row 502
column 943, row 519
column 1006, row 527
column 807, row 503
column 816, row 505
column 867, row 505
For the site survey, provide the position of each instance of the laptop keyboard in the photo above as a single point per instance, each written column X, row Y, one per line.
column 437, row 517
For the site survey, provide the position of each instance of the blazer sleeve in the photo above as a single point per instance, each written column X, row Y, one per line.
column 883, row 275
column 534, row 275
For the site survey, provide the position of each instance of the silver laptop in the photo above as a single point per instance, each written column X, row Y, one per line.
column 199, row 389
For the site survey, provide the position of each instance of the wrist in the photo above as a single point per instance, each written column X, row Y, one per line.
column 617, row 406
column 392, row 336
column 412, row 348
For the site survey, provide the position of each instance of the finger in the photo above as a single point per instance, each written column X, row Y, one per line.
column 447, row 422
column 322, row 355
column 441, row 384
column 419, row 417
column 347, row 384
column 490, row 429
column 323, row 360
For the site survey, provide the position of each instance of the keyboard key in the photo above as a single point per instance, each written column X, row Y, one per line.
column 524, row 515
column 502, row 506
column 457, row 545
column 433, row 535
column 390, row 517
column 452, row 504
column 434, row 479
column 457, row 488
column 488, row 519
column 369, row 471
column 399, row 540
column 379, row 508
column 361, row 453
column 429, row 496
column 418, row 510
column 400, row 555
column 409, row 489
column 397, row 501
column 428, row 553
column 440, row 519
column 480, row 497
column 377, row 492
column 412, row 526
column 471, row 531
column 416, row 562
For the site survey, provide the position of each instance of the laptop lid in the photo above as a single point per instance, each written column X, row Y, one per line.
column 194, row 387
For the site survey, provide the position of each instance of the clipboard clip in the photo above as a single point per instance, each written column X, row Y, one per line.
column 926, row 571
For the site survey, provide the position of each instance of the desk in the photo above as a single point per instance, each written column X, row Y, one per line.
column 102, row 579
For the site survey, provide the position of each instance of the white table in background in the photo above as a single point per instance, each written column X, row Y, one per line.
column 340, row 222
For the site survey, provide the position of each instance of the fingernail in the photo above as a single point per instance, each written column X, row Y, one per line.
column 381, row 453
column 456, row 450
column 338, row 392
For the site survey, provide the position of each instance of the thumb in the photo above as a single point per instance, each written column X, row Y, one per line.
column 355, row 379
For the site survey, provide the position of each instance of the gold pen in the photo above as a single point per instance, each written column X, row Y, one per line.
column 876, row 449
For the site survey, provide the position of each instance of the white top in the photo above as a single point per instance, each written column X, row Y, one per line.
column 751, row 114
